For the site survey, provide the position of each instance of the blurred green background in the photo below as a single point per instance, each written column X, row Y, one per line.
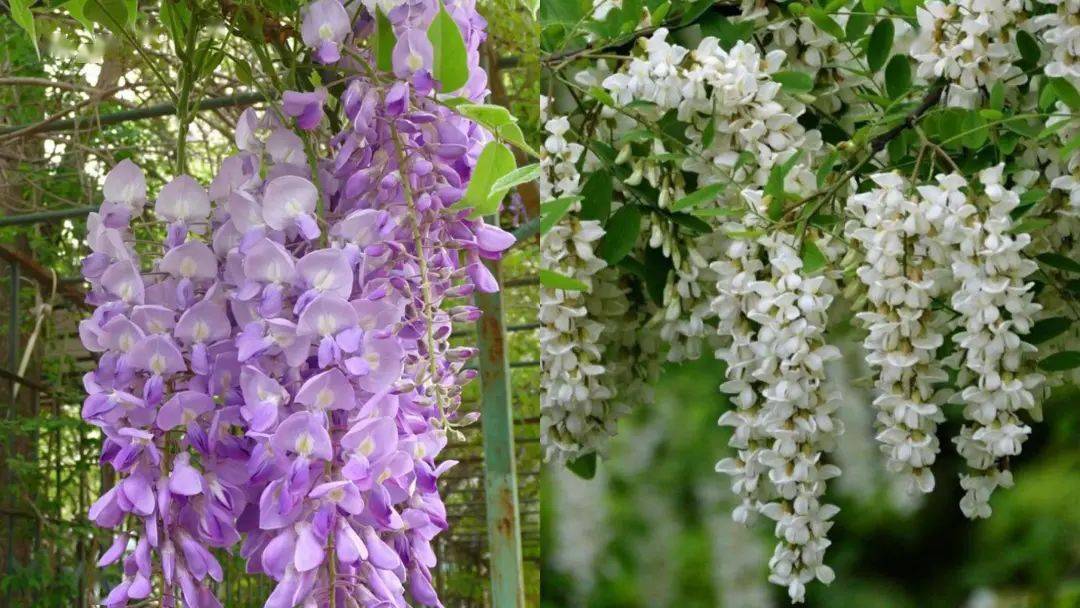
column 653, row 528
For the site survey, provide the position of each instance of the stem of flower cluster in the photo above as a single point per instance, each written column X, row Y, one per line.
column 425, row 284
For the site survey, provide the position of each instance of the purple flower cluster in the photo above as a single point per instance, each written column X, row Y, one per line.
column 278, row 374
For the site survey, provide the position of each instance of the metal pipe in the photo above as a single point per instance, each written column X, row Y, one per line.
column 155, row 111
column 44, row 216
column 500, row 466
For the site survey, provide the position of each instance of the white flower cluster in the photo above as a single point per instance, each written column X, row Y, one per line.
column 1061, row 32
column 751, row 126
column 785, row 418
column 996, row 308
column 558, row 157
column 971, row 43
column 902, row 271
column 737, row 274
column 574, row 397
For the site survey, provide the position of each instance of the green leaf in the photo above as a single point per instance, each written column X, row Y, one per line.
column 553, row 211
column 596, row 197
column 385, row 40
column 1059, row 261
column 602, row 96
column 692, row 223
column 511, row 134
column 113, row 14
column 555, row 280
column 1063, row 361
column 726, row 31
column 897, row 76
column 1071, row 146
column 881, row 41
column 812, row 257
column 620, row 234
column 824, row 22
column 657, row 268
column 826, row 167
column 702, row 195
column 1066, row 92
column 521, row 175
column 857, row 24
column 243, row 71
column 450, row 62
column 1029, row 49
column 1032, row 224
column 1047, row 329
column 21, row 15
column 997, row 96
column 495, row 161
column 709, row 134
column 774, row 187
column 794, row 82
column 583, row 466
column 491, row 116
column 77, row 9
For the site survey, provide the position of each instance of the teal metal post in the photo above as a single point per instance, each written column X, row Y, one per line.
column 500, row 468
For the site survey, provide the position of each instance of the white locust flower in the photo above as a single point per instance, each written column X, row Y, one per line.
column 996, row 311
column 797, row 416
column 902, row 272
column 740, row 268
column 971, row 44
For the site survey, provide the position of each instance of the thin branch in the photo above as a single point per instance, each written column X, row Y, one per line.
column 932, row 98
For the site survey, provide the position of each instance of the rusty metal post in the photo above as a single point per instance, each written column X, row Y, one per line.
column 500, row 468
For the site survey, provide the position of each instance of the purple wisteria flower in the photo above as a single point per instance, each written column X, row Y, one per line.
column 325, row 26
column 278, row 374
column 307, row 108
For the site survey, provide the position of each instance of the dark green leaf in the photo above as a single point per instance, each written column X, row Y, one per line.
column 1063, row 361
column 709, row 134
column 620, row 234
column 1060, row 262
column 385, row 40
column 583, row 466
column 1047, row 329
column 881, row 41
column 450, row 62
column 596, row 197
column 898, row 76
column 701, row 195
column 1029, row 49
column 694, row 224
column 657, row 268
column 857, row 24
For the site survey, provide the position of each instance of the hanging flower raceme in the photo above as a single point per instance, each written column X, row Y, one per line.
column 163, row 392
column 281, row 370
column 996, row 309
column 905, row 267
